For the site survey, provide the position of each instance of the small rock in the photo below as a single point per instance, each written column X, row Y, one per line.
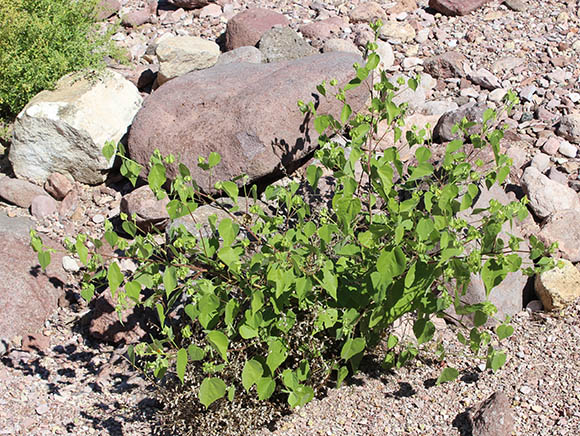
column 98, row 218
column 367, row 12
column 485, row 79
column 411, row 62
column 551, row 145
column 494, row 417
column 527, row 92
column 241, row 54
column 567, row 149
column 69, row 205
column 19, row 192
column 283, row 44
column 497, row 95
column 42, row 409
column 541, row 162
column 469, row 92
column 446, row 65
column 403, row 32
column 471, row 111
column 58, row 185
column 526, row 390
column 558, row 176
column 337, row 44
column 385, row 52
column 569, row 127
column 535, row 306
column 43, row 206
column 69, row 264
column 422, row 36
column 3, row 347
column 574, row 97
column 547, row 196
column 516, row 5
column 211, row 10
column 150, row 212
column 559, row 286
column 107, row 8
column 135, row 18
column 183, row 54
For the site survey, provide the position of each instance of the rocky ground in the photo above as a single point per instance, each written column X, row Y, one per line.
column 64, row 382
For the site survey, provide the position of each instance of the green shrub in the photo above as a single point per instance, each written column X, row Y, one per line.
column 267, row 309
column 41, row 41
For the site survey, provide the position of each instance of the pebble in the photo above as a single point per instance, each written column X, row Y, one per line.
column 42, row 409
column 70, row 264
column 574, row 97
column 528, row 92
column 412, row 62
column 98, row 218
column 567, row 149
column 497, row 95
column 525, row 390
column 541, row 162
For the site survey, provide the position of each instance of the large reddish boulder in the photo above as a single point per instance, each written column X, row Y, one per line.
column 27, row 295
column 456, row 7
column 247, row 27
column 246, row 112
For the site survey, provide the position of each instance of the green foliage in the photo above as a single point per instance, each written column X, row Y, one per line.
column 41, row 41
column 295, row 293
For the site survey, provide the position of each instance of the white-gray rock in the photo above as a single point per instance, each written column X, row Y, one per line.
column 411, row 62
column 547, row 196
column 415, row 99
column 182, row 54
column 338, row 44
column 497, row 95
column 65, row 130
column 385, row 52
column 569, row 127
column 541, row 161
column 485, row 79
column 70, row 264
column 437, row 107
column 241, row 54
column 422, row 35
column 567, row 149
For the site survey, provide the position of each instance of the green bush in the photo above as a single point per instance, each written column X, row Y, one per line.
column 268, row 308
column 41, row 41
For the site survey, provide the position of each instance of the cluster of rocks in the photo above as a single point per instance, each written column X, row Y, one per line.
column 191, row 91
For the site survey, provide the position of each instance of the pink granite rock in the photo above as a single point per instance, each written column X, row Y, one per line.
column 247, row 27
